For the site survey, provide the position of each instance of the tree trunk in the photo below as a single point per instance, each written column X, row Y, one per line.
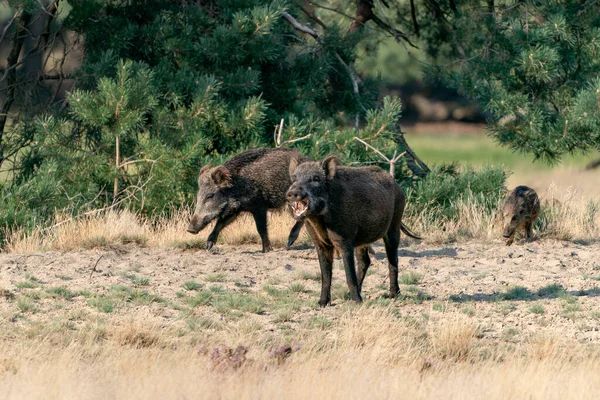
column 10, row 78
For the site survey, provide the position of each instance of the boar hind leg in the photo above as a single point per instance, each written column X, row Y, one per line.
column 294, row 233
column 392, row 240
column 326, row 263
column 348, row 258
column 363, row 261
column 221, row 223
column 260, row 218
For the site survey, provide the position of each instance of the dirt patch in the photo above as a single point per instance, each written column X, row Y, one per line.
column 515, row 291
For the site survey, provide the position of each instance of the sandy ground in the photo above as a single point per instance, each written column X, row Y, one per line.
column 465, row 276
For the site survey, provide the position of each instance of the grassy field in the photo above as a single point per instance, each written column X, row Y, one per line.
column 115, row 306
column 472, row 146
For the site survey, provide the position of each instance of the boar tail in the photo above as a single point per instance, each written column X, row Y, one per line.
column 409, row 233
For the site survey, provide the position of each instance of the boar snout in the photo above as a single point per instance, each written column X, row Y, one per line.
column 298, row 201
column 293, row 194
column 196, row 224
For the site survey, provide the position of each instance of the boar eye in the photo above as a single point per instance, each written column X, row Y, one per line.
column 316, row 178
column 210, row 196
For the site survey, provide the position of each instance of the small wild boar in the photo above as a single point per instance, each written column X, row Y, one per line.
column 254, row 181
column 346, row 209
column 521, row 209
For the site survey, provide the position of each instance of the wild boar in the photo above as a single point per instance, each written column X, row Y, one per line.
column 521, row 209
column 346, row 209
column 254, row 181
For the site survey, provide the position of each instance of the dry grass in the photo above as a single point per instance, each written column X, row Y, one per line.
column 565, row 216
column 367, row 353
column 114, row 228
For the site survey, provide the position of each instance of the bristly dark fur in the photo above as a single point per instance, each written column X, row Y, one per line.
column 346, row 210
column 254, row 181
column 521, row 209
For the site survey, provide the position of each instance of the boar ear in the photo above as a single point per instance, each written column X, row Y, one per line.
column 221, row 176
column 329, row 165
column 205, row 169
column 293, row 165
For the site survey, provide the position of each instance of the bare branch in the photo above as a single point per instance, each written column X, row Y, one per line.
column 95, row 265
column 373, row 148
column 296, row 140
column 278, row 134
column 298, row 26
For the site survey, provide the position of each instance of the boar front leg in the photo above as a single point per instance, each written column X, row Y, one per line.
column 326, row 263
column 221, row 223
column 294, row 233
column 349, row 266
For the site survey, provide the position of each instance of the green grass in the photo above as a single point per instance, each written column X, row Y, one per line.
column 102, row 304
column 140, row 281
column 479, row 149
column 217, row 277
column 515, row 293
column 238, row 302
column 61, row 291
column 202, row 298
column 298, row 288
column 552, row 290
column 26, row 284
column 537, row 309
column 410, row 278
column 192, row 285
column 25, row 304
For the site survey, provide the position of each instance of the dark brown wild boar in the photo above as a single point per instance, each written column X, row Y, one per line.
column 521, row 209
column 253, row 181
column 346, row 209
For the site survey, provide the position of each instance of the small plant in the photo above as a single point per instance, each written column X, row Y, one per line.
column 26, row 285
column 217, row 277
column 202, row 298
column 537, row 309
column 298, row 288
column 309, row 275
column 284, row 315
column 238, row 301
column 102, row 304
column 193, row 244
column 411, row 278
column 319, row 322
column 26, row 304
column 192, row 285
column 441, row 307
column 506, row 309
column 141, row 281
column 552, row 290
column 468, row 310
column 142, row 297
column 515, row 293
column 95, row 241
column 216, row 289
column 61, row 291
column 413, row 295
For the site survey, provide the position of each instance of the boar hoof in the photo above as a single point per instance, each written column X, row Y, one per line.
column 324, row 303
column 209, row 245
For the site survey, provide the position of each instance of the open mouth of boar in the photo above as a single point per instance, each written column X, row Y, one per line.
column 300, row 207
